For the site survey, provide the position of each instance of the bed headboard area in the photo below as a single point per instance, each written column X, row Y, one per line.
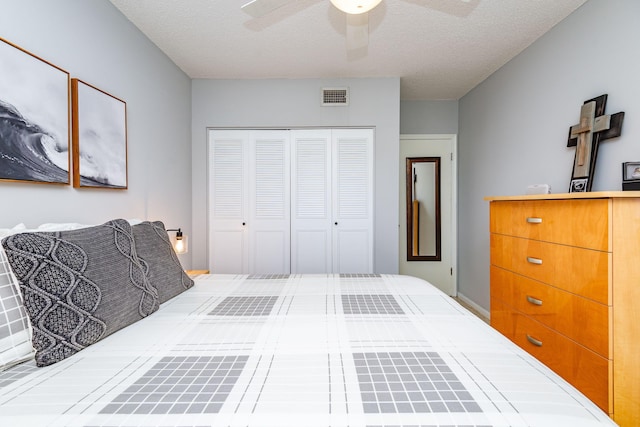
column 79, row 284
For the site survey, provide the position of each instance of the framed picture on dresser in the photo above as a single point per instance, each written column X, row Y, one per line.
column 99, row 138
column 631, row 176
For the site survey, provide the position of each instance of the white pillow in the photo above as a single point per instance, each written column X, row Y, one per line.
column 54, row 226
column 4, row 232
column 64, row 226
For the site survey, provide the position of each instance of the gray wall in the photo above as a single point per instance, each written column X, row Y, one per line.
column 513, row 127
column 94, row 42
column 428, row 117
column 296, row 103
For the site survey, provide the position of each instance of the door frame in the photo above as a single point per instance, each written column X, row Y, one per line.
column 453, row 140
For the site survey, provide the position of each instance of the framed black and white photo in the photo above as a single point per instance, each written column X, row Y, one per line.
column 578, row 185
column 34, row 118
column 631, row 176
column 99, row 138
column 631, row 171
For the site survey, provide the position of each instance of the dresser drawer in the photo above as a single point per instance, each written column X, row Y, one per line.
column 582, row 223
column 583, row 320
column 584, row 369
column 580, row 271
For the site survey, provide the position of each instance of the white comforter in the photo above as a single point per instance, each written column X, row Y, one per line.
column 313, row 350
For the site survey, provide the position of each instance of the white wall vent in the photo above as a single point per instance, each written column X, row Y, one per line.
column 335, row 96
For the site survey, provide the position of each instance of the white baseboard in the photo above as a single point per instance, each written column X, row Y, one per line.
column 475, row 306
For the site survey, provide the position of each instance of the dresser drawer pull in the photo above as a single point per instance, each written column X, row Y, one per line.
column 536, row 261
column 534, row 301
column 534, row 341
column 534, row 220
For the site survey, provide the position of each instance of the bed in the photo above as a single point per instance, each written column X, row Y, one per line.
column 297, row 350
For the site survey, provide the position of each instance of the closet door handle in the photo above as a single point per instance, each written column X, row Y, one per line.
column 534, row 301
column 244, row 223
column 534, row 220
column 534, row 341
column 335, row 223
column 532, row 260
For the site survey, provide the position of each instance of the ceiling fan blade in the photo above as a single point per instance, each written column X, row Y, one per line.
column 258, row 8
column 357, row 31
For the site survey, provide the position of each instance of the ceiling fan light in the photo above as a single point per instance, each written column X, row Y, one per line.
column 355, row 7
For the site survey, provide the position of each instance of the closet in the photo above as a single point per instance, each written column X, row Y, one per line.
column 290, row 201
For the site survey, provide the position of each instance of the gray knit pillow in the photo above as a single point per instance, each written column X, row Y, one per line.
column 79, row 286
column 160, row 260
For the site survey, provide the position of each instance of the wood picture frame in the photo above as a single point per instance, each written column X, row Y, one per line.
column 99, row 138
column 424, row 223
column 34, row 118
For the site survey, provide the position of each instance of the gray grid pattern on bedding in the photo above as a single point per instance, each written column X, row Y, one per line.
column 181, row 385
column 410, row 382
column 245, row 306
column 370, row 304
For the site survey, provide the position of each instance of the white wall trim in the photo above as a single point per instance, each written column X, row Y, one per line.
column 475, row 306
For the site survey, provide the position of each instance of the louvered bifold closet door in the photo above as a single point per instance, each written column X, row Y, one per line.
column 269, row 204
column 311, row 201
column 291, row 201
column 352, row 195
column 228, row 201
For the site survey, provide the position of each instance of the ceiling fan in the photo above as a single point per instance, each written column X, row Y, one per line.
column 356, row 14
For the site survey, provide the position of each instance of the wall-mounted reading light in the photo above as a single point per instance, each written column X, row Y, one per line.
column 180, row 242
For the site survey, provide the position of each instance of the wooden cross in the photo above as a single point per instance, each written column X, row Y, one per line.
column 594, row 127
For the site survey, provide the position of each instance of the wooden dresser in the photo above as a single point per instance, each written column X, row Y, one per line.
column 565, row 286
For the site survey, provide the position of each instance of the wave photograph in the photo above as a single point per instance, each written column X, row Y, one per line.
column 28, row 152
column 34, row 118
column 101, row 146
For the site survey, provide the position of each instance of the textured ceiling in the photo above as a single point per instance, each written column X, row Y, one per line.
column 440, row 49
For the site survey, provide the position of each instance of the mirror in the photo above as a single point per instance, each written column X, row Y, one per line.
column 423, row 208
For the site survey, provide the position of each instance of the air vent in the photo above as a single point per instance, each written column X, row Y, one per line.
column 335, row 96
